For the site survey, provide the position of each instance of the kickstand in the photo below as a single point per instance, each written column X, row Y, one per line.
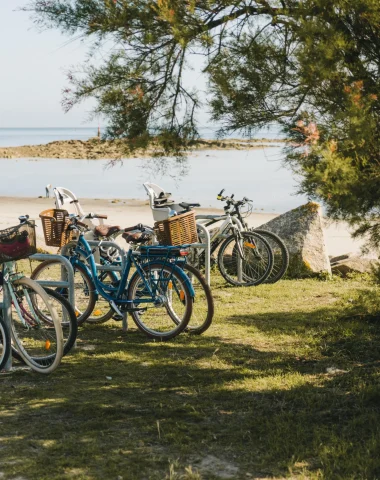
column 125, row 322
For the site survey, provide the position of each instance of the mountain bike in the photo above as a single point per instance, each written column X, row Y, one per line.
column 244, row 257
column 280, row 252
column 159, row 295
column 38, row 343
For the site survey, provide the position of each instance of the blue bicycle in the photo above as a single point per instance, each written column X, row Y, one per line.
column 159, row 295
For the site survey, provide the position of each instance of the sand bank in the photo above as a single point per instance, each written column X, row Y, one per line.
column 125, row 213
column 95, row 149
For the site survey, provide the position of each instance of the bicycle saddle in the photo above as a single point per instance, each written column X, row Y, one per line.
column 188, row 206
column 106, row 230
column 136, row 238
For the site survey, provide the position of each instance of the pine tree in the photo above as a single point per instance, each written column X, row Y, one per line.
column 312, row 66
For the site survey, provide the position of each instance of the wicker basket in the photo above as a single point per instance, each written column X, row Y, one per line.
column 18, row 242
column 55, row 223
column 178, row 230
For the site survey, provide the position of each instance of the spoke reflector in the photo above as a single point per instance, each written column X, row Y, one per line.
column 47, row 345
column 249, row 245
column 182, row 295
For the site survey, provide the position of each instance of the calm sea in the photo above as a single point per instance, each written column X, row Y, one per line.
column 257, row 174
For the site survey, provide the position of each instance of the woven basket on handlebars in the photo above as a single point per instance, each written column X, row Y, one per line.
column 178, row 230
column 55, row 223
column 18, row 242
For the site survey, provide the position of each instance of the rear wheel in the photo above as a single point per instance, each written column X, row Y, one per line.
column 39, row 344
column 280, row 255
column 85, row 296
column 171, row 313
column 245, row 258
column 65, row 314
column 203, row 303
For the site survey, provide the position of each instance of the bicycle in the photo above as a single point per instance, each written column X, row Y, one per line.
column 244, row 257
column 158, row 290
column 203, row 303
column 38, row 343
column 279, row 249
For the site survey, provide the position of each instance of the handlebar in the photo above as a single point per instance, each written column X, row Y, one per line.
column 230, row 200
column 96, row 215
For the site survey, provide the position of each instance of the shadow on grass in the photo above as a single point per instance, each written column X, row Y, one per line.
column 126, row 407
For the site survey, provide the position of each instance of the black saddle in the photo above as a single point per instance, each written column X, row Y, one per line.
column 189, row 206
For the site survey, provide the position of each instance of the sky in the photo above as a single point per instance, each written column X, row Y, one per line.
column 32, row 73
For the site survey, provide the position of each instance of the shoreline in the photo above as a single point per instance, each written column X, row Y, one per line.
column 128, row 212
column 96, row 149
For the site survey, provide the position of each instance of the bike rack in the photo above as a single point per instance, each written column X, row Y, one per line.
column 67, row 281
column 207, row 249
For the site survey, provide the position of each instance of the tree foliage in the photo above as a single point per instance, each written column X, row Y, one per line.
column 312, row 66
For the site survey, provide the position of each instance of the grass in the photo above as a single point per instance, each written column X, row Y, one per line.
column 251, row 398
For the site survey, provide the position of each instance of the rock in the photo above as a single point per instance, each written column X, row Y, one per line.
column 341, row 257
column 301, row 230
column 352, row 264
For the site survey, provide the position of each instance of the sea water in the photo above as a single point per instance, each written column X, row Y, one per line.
column 257, row 174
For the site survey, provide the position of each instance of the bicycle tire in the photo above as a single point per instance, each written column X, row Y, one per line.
column 135, row 292
column 69, row 328
column 46, row 364
column 280, row 255
column 5, row 343
column 251, row 277
column 97, row 318
column 195, row 326
column 84, row 303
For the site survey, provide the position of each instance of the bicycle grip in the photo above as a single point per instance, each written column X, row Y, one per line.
column 139, row 226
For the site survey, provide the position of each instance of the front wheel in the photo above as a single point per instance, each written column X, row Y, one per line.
column 245, row 259
column 168, row 300
column 5, row 344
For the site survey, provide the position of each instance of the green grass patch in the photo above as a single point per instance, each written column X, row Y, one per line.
column 285, row 383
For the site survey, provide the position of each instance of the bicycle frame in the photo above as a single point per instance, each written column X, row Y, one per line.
column 229, row 222
column 114, row 294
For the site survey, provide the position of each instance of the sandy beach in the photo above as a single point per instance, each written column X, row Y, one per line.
column 127, row 212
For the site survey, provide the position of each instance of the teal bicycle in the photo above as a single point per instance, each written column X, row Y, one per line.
column 152, row 287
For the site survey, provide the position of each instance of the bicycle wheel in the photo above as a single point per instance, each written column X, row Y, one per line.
column 169, row 315
column 203, row 303
column 5, row 344
column 65, row 314
column 85, row 296
column 255, row 264
column 102, row 311
column 280, row 255
column 39, row 344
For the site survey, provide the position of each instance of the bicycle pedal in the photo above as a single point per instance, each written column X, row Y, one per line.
column 143, row 309
column 118, row 318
